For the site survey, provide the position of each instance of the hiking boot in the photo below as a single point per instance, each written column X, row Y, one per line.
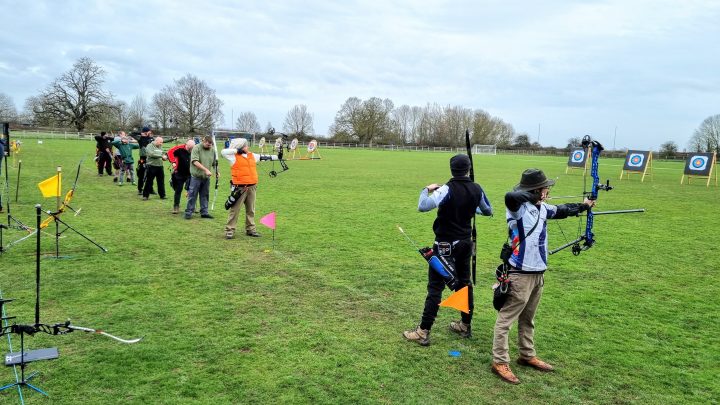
column 503, row 371
column 188, row 216
column 461, row 328
column 145, row 198
column 420, row 336
column 208, row 216
column 254, row 234
column 535, row 363
column 176, row 209
column 229, row 235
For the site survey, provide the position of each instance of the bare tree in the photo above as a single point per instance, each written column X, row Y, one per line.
column 196, row 108
column 138, row 111
column 706, row 137
column 76, row 97
column 248, row 122
column 8, row 112
column 298, row 121
column 574, row 142
column 162, row 109
column 403, row 124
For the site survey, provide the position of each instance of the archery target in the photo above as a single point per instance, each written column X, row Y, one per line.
column 312, row 145
column 262, row 142
column 577, row 158
column 699, row 164
column 294, row 144
column 636, row 160
column 278, row 143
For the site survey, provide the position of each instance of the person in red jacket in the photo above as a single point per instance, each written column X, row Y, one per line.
column 179, row 156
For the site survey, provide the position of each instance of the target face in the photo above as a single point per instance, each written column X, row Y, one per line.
column 312, row 145
column 262, row 142
column 578, row 156
column 636, row 160
column 278, row 143
column 698, row 163
column 293, row 144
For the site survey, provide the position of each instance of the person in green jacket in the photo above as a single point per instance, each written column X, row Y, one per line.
column 202, row 159
column 125, row 146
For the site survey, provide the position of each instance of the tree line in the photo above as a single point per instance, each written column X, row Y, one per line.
column 78, row 100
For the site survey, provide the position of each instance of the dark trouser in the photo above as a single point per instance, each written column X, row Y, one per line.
column 152, row 173
column 178, row 183
column 141, row 173
column 461, row 253
column 198, row 187
column 104, row 162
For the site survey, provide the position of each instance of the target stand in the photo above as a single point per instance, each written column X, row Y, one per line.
column 637, row 162
column 312, row 150
column 261, row 145
column 702, row 166
column 578, row 160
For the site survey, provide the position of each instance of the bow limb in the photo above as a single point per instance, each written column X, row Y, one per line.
column 474, row 230
column 100, row 332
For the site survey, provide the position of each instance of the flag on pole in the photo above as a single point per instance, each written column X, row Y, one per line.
column 269, row 220
column 458, row 300
column 51, row 187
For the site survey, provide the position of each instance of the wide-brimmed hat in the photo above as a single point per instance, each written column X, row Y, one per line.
column 533, row 179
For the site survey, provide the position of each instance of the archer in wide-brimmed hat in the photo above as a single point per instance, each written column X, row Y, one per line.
column 533, row 179
column 524, row 267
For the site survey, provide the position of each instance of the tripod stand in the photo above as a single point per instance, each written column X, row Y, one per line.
column 23, row 382
column 55, row 216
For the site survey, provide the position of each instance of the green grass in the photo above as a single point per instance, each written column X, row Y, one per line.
column 318, row 319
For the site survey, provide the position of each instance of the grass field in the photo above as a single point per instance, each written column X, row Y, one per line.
column 319, row 318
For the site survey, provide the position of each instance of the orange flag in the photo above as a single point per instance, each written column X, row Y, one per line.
column 458, row 300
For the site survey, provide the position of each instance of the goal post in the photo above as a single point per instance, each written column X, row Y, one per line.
column 484, row 149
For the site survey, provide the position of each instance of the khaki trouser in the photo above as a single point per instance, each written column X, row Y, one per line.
column 525, row 293
column 248, row 199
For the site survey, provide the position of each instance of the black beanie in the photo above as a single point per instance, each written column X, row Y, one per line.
column 459, row 165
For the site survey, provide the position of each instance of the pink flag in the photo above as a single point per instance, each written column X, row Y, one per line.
column 269, row 220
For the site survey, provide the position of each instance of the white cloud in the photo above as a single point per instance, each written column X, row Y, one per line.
column 574, row 67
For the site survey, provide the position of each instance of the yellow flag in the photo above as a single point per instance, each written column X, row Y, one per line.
column 51, row 187
column 458, row 300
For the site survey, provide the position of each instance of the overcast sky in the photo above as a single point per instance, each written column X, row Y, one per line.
column 631, row 73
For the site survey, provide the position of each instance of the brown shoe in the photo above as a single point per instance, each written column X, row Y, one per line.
column 421, row 336
column 503, row 371
column 461, row 328
column 535, row 363
column 176, row 209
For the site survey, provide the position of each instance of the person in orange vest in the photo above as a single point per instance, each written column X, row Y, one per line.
column 243, row 184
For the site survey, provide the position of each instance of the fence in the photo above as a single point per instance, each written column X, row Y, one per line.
column 53, row 134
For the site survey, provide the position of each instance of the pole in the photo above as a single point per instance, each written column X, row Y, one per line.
column 614, row 138
column 17, row 184
column 37, row 266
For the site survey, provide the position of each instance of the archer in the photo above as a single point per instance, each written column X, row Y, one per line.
column 527, row 215
column 457, row 202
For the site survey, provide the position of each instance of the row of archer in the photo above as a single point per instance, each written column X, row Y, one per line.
column 193, row 164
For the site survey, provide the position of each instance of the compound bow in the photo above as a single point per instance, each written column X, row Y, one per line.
column 588, row 237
